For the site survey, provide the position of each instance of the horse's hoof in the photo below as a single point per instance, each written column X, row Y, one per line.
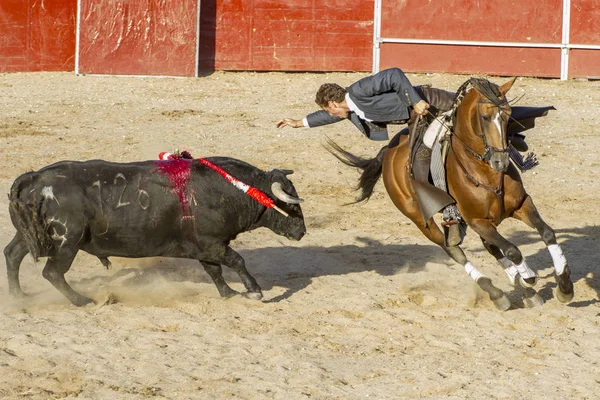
column 529, row 282
column 564, row 297
column 82, row 301
column 533, row 301
column 502, row 303
column 565, row 292
column 17, row 294
column 253, row 295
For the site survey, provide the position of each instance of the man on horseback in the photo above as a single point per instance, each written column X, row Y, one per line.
column 372, row 103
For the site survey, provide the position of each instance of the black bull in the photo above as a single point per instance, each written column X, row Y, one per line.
column 178, row 208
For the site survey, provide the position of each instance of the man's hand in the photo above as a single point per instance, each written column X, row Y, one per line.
column 294, row 123
column 421, row 107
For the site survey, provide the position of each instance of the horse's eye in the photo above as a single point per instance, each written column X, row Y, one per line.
column 487, row 118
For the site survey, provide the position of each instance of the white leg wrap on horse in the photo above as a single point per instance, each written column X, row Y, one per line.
column 524, row 270
column 558, row 258
column 472, row 271
column 506, row 263
column 512, row 273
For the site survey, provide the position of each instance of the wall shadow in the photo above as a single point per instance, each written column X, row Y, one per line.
column 207, row 43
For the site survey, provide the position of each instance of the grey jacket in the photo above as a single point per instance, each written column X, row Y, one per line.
column 384, row 98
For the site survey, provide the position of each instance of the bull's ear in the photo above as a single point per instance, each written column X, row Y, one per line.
column 506, row 87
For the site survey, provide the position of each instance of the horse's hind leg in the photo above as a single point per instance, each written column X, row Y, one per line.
column 531, row 298
column 14, row 253
column 433, row 233
column 529, row 215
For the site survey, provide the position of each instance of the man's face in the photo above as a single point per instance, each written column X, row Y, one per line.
column 336, row 109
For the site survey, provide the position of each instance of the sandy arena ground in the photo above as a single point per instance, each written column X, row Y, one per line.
column 363, row 307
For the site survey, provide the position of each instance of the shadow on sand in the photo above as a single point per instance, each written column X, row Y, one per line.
column 294, row 268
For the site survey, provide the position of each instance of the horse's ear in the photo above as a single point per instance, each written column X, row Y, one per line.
column 506, row 87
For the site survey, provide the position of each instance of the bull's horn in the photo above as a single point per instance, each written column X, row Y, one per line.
column 283, row 196
column 284, row 171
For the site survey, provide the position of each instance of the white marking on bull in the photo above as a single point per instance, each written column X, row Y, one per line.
column 97, row 183
column 55, row 235
column 48, row 193
column 119, row 203
column 143, row 194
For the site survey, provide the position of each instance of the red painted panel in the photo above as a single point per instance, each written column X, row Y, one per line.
column 288, row 5
column 288, row 35
column 501, row 20
column 471, row 59
column 37, row 36
column 585, row 15
column 144, row 37
column 584, row 64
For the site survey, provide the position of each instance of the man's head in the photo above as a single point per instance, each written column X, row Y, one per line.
column 331, row 97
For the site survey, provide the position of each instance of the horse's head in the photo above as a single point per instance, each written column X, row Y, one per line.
column 484, row 112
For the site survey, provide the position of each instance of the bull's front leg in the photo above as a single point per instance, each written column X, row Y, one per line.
column 234, row 261
column 216, row 273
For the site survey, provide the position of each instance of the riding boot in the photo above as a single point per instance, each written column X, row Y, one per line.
column 451, row 226
column 452, row 234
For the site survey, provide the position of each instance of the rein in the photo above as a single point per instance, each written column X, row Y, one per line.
column 498, row 191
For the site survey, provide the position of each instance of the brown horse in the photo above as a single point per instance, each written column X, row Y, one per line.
column 485, row 184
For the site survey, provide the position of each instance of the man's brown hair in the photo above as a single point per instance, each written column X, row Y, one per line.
column 329, row 92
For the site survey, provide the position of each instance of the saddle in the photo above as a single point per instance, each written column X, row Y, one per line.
column 432, row 199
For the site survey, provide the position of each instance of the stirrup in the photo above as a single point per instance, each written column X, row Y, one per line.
column 450, row 222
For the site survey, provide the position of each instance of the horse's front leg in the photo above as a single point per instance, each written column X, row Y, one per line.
column 528, row 214
column 488, row 232
column 531, row 297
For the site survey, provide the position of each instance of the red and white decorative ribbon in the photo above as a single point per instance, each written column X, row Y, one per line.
column 251, row 191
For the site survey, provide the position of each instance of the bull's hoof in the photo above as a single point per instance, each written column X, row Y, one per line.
column 253, row 295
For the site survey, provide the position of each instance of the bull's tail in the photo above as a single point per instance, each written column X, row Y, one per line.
column 371, row 168
column 27, row 217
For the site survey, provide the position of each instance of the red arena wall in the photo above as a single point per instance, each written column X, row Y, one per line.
column 144, row 37
column 528, row 37
column 174, row 37
column 37, row 35
column 287, row 35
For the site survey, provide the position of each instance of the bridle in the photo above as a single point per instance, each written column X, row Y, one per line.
column 496, row 102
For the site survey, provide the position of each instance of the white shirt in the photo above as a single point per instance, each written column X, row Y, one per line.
column 352, row 108
column 355, row 109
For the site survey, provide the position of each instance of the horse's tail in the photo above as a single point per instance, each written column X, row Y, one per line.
column 28, row 217
column 371, row 168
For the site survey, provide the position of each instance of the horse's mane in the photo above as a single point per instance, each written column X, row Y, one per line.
column 484, row 87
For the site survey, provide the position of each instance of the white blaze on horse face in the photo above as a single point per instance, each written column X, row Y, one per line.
column 497, row 121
